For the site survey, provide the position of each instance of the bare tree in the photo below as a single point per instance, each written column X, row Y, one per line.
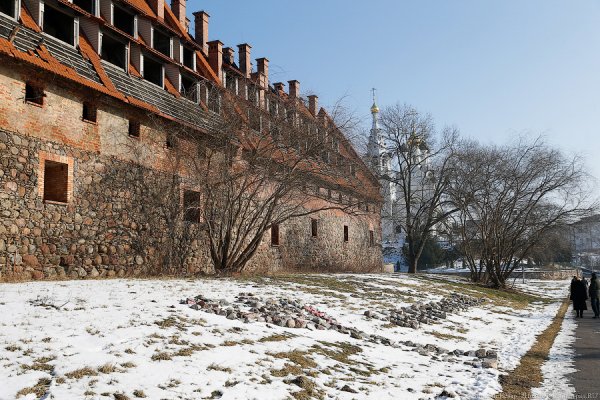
column 266, row 160
column 509, row 198
column 421, row 161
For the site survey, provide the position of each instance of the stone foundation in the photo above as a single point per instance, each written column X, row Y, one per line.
column 98, row 232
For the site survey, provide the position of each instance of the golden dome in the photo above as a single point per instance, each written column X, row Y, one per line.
column 374, row 109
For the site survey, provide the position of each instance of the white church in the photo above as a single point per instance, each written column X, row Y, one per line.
column 383, row 161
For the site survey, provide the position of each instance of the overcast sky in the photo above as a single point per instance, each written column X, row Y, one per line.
column 494, row 69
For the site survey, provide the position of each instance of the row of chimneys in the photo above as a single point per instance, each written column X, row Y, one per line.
column 217, row 54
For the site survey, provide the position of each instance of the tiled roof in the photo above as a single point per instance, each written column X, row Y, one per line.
column 83, row 66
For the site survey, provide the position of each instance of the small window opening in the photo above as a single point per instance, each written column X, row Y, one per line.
column 124, row 21
column 314, row 224
column 134, row 129
column 188, row 58
column 170, row 141
column 191, row 206
column 8, row 7
column 214, row 101
column 188, row 88
column 114, row 51
column 346, row 233
column 58, row 24
column 86, row 5
column 153, row 71
column 34, row 94
column 56, row 178
column 275, row 235
column 90, row 112
column 162, row 43
column 371, row 238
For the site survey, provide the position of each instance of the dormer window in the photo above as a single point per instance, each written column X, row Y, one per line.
column 188, row 88
column 114, row 51
column 153, row 71
column 162, row 43
column 188, row 58
column 58, row 24
column 86, row 5
column 124, row 20
column 9, row 7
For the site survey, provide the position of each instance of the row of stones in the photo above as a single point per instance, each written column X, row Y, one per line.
column 426, row 313
column 290, row 313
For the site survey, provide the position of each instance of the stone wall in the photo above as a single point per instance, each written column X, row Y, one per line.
column 102, row 231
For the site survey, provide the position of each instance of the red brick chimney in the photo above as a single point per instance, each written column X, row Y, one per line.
column 229, row 55
column 294, row 88
column 158, row 6
column 245, row 60
column 178, row 7
column 215, row 57
column 279, row 87
column 313, row 104
column 263, row 68
column 201, row 27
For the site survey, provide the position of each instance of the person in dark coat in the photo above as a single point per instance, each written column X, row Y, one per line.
column 572, row 289
column 579, row 297
column 594, row 292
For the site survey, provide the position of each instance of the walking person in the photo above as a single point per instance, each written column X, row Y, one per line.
column 594, row 292
column 579, row 297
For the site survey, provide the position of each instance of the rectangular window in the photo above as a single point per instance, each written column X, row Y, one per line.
column 153, row 71
column 346, row 233
column 124, row 21
column 134, row 129
column 188, row 88
column 114, row 51
column 8, row 7
column 56, row 178
column 86, row 5
column 170, row 141
column 162, row 43
column 188, row 58
column 275, row 235
column 89, row 112
column 34, row 94
column 371, row 238
column 191, row 206
column 314, row 224
column 59, row 24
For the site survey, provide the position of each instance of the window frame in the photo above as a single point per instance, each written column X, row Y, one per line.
column 275, row 235
column 36, row 92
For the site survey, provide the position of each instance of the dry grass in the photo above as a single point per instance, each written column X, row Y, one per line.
column 528, row 374
column 107, row 368
column 37, row 366
column 445, row 336
column 128, row 364
column 216, row 367
column 297, row 357
column 81, row 372
column 161, row 356
column 139, row 394
column 39, row 389
column 275, row 338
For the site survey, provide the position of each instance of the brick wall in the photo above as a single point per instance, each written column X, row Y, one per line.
column 98, row 231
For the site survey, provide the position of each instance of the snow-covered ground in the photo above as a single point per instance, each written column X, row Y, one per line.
column 95, row 339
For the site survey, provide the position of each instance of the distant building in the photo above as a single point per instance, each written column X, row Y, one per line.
column 585, row 241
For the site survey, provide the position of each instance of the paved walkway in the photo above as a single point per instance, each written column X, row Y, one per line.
column 587, row 360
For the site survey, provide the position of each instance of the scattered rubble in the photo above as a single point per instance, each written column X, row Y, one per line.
column 291, row 313
column 426, row 313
